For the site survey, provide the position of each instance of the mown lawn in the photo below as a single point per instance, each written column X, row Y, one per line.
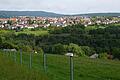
column 84, row 68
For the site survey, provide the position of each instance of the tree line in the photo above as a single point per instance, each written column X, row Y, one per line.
column 73, row 38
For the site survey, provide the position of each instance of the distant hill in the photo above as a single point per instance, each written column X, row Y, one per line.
column 99, row 14
column 7, row 14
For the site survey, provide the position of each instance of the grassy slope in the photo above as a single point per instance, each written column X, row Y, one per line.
column 117, row 24
column 37, row 33
column 11, row 71
column 84, row 68
column 90, row 28
column 93, row 27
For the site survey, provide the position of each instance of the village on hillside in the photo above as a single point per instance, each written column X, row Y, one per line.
column 34, row 22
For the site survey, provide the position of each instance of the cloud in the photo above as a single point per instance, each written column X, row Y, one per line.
column 62, row 6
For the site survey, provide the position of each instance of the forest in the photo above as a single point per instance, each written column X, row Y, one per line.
column 103, row 40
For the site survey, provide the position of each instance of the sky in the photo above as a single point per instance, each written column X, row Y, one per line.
column 62, row 6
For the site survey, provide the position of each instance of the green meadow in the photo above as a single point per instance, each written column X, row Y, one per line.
column 58, row 67
column 36, row 33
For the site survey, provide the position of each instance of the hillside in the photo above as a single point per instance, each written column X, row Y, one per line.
column 7, row 14
column 99, row 14
column 28, row 13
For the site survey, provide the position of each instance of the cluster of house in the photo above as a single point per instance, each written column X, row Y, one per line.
column 34, row 22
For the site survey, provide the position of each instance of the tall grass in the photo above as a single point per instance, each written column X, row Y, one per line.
column 11, row 71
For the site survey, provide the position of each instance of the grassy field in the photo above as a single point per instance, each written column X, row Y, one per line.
column 90, row 28
column 37, row 33
column 11, row 71
column 93, row 27
column 117, row 24
column 84, row 68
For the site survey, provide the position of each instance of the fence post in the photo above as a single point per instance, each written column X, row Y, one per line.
column 44, row 62
column 30, row 64
column 9, row 53
column 15, row 59
column 5, row 53
column 71, row 68
column 71, row 65
column 20, row 56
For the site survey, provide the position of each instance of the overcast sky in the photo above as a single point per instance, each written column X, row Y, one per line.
column 62, row 6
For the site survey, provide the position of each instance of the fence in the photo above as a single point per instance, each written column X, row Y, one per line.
column 56, row 67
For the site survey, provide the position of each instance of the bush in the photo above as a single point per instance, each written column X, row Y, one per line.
column 7, row 45
column 58, row 49
column 39, row 50
column 116, row 53
column 0, row 40
column 77, row 50
column 25, row 48
column 103, row 56
column 88, row 51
